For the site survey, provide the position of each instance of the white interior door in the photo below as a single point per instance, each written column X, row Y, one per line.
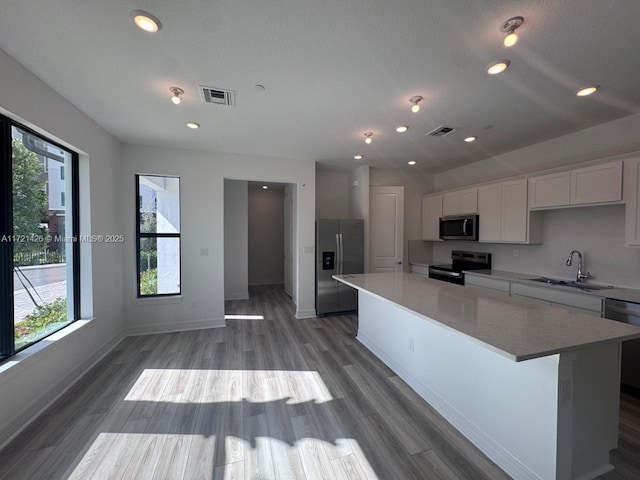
column 387, row 227
column 288, row 240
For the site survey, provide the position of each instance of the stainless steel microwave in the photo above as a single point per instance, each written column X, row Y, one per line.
column 459, row 227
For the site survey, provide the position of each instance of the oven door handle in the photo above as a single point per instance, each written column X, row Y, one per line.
column 464, row 227
column 445, row 273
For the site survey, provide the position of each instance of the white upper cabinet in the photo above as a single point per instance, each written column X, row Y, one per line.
column 460, row 202
column 450, row 203
column 431, row 213
column 598, row 184
column 469, row 201
column 504, row 216
column 552, row 190
column 489, row 212
column 632, row 194
column 581, row 186
column 513, row 224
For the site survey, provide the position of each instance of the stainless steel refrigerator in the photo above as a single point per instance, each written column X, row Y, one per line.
column 339, row 251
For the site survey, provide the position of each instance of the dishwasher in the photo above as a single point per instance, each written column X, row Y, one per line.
column 627, row 312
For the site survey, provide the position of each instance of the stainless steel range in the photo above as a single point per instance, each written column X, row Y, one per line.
column 461, row 261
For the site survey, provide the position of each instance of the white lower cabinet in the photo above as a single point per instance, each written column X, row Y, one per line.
column 556, row 296
column 486, row 281
column 419, row 269
column 550, row 295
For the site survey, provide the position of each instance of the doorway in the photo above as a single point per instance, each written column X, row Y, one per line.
column 259, row 237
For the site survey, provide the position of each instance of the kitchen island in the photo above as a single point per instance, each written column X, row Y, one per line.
column 535, row 387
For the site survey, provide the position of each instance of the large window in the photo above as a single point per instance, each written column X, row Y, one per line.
column 39, row 251
column 158, row 235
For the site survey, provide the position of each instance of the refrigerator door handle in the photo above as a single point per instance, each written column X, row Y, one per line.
column 341, row 255
column 338, row 254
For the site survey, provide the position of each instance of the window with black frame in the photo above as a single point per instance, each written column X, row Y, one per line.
column 39, row 248
column 158, row 235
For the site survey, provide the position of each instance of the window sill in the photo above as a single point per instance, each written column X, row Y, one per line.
column 140, row 302
column 10, row 366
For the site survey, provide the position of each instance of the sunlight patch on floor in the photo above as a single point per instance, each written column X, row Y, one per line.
column 164, row 385
column 244, row 317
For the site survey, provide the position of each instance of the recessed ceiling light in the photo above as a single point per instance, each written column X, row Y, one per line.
column 509, row 27
column 402, row 128
column 264, row 187
column 367, row 137
column 415, row 100
column 411, row 162
column 358, row 157
column 193, row 125
column 587, row 90
column 176, row 95
column 145, row 21
column 470, row 139
column 498, row 67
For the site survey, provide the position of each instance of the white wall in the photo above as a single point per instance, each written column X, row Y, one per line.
column 35, row 381
column 236, row 234
column 415, row 185
column 266, row 236
column 202, row 177
column 332, row 194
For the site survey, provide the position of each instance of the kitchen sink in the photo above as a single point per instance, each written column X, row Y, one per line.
column 569, row 283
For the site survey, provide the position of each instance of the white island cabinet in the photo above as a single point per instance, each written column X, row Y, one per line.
column 535, row 387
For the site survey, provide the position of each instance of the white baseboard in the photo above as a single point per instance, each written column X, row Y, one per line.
column 168, row 327
column 237, row 296
column 492, row 449
column 46, row 399
column 305, row 314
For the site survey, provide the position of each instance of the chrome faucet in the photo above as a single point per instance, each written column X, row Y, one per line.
column 579, row 276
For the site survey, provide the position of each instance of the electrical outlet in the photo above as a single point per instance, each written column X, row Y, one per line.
column 411, row 344
column 204, row 252
column 516, row 253
column 194, row 304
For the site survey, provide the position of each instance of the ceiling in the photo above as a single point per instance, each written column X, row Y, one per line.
column 334, row 69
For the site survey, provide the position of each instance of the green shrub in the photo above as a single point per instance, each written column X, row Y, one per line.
column 149, row 282
column 148, row 260
column 47, row 318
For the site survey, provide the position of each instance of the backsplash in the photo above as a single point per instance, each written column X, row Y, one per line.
column 597, row 232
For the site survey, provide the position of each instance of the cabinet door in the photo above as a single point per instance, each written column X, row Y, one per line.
column 601, row 183
column 489, row 206
column 550, row 190
column 450, row 203
column 431, row 213
column 632, row 192
column 514, row 211
column 469, row 201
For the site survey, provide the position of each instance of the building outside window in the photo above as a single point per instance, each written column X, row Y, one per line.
column 39, row 271
column 158, row 235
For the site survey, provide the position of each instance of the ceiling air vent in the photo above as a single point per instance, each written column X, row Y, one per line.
column 218, row 96
column 443, row 131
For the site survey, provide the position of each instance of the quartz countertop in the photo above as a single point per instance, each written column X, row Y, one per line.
column 624, row 294
column 518, row 328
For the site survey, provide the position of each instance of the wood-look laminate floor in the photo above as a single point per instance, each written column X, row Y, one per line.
column 263, row 398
